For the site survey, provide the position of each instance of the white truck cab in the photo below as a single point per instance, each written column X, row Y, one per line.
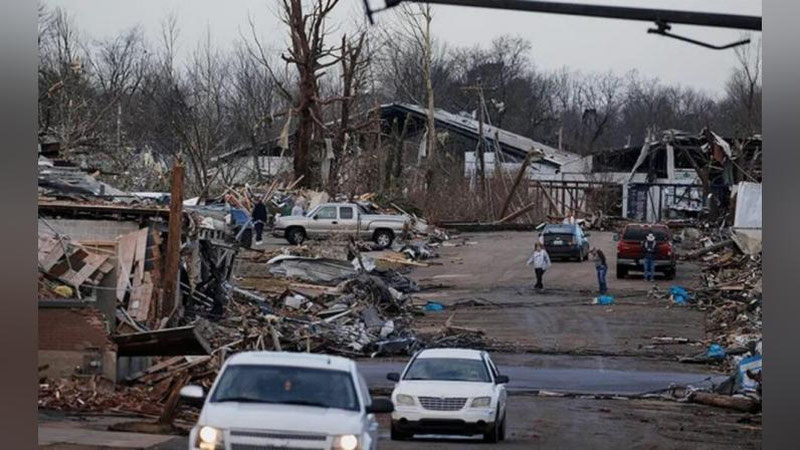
column 286, row 400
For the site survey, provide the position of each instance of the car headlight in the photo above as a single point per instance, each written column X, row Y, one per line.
column 481, row 402
column 345, row 442
column 406, row 400
column 210, row 438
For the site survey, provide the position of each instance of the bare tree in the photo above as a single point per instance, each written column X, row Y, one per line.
column 743, row 91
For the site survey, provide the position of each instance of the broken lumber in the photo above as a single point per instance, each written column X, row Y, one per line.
column 513, row 188
column 744, row 404
column 166, row 342
column 518, row 213
column 710, row 248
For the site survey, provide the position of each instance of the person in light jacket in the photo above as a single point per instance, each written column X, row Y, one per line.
column 541, row 262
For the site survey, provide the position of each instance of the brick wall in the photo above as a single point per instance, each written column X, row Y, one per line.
column 73, row 329
column 74, row 340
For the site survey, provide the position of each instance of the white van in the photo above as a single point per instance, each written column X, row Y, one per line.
column 281, row 399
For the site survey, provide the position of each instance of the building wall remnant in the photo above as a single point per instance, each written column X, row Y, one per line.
column 74, row 340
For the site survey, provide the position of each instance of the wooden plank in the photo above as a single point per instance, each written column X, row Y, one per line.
column 140, row 299
column 126, row 251
column 91, row 264
column 55, row 254
column 46, row 245
column 139, row 256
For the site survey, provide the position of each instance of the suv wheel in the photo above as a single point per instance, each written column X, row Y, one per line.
column 621, row 272
column 295, row 235
column 503, row 429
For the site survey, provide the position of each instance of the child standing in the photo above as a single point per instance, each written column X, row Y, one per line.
column 602, row 268
column 541, row 262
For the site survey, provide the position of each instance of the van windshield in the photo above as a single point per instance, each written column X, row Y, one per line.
column 448, row 369
column 287, row 386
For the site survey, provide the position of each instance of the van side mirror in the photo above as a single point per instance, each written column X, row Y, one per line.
column 380, row 406
column 393, row 376
column 501, row 379
column 616, row 237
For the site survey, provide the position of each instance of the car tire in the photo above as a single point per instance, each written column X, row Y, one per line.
column 295, row 235
column 503, row 429
column 383, row 238
column 396, row 435
column 621, row 272
column 492, row 435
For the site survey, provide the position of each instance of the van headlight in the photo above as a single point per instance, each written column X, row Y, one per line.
column 345, row 442
column 481, row 402
column 405, row 400
column 210, row 438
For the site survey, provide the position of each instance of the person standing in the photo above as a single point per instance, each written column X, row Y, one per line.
column 649, row 248
column 602, row 268
column 297, row 209
column 541, row 262
column 301, row 203
column 259, row 218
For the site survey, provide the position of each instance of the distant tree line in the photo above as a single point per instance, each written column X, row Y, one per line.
column 129, row 103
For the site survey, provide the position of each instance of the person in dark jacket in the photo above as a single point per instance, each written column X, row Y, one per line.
column 649, row 247
column 602, row 268
column 259, row 219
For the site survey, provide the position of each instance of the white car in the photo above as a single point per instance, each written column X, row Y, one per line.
column 286, row 400
column 449, row 391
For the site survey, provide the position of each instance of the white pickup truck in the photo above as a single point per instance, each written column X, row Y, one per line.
column 331, row 219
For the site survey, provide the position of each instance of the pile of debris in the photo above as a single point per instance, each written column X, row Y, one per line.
column 731, row 273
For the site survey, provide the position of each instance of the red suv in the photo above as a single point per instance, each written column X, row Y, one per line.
column 630, row 254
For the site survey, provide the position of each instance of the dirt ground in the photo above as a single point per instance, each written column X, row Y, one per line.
column 560, row 423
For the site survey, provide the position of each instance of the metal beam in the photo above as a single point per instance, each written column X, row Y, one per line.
column 608, row 12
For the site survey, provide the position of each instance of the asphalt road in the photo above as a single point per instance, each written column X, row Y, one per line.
column 575, row 381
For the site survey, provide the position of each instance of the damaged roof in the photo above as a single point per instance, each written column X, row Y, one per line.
column 510, row 142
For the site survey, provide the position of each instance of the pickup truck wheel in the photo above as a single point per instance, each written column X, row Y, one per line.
column 383, row 238
column 621, row 272
column 295, row 235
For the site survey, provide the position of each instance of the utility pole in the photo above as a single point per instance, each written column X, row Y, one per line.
column 481, row 163
column 173, row 257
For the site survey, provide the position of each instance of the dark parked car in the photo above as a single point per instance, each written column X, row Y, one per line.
column 630, row 254
column 565, row 241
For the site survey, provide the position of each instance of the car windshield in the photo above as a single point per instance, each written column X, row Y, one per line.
column 287, row 385
column 640, row 233
column 448, row 369
column 559, row 229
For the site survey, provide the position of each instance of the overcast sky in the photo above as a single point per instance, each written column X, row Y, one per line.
column 579, row 43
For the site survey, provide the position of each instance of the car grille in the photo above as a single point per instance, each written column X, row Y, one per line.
column 267, row 440
column 263, row 447
column 278, row 435
column 443, row 404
